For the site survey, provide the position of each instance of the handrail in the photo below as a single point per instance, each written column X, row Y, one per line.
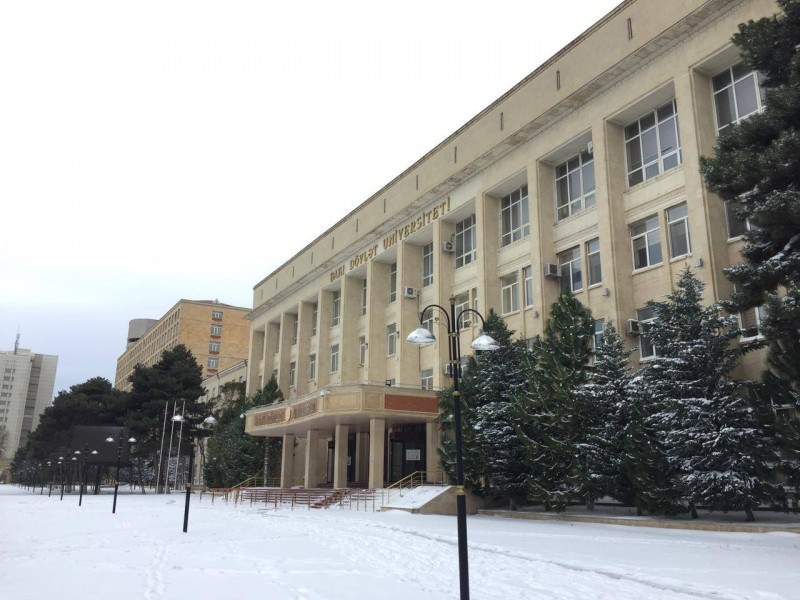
column 253, row 479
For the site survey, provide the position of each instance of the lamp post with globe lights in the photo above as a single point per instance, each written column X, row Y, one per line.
column 181, row 419
column 82, row 482
column 119, row 439
column 424, row 337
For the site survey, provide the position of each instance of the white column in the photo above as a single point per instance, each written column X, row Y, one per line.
column 340, row 456
column 377, row 429
column 312, row 449
column 287, row 460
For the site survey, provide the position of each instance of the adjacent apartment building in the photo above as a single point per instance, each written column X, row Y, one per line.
column 26, row 390
column 217, row 334
column 583, row 177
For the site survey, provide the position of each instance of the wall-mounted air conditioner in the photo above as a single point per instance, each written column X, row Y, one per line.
column 551, row 271
column 448, row 369
column 448, row 247
column 633, row 327
column 410, row 292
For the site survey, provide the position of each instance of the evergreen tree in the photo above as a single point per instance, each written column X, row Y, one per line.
column 707, row 432
column 551, row 421
column 757, row 168
column 605, row 404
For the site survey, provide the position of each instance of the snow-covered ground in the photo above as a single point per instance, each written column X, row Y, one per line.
column 51, row 548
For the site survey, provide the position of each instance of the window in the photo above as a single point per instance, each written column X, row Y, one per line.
column 362, row 350
column 216, row 330
column 295, row 323
column 598, row 332
column 427, row 323
column 571, row 270
column 426, row 379
column 334, row 358
column 645, row 316
column 527, row 277
column 364, row 297
column 678, row 228
column 217, row 314
column 736, row 225
column 652, row 145
column 509, row 294
column 336, row 313
column 465, row 241
column 575, row 185
column 593, row 261
column 314, row 318
column 514, row 216
column 213, row 346
column 391, row 339
column 646, row 243
column 213, row 362
column 312, row 366
column 427, row 264
column 737, row 95
column 462, row 304
column 750, row 321
column 393, row 282
column 292, row 373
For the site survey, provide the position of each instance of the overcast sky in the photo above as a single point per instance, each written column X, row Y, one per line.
column 158, row 150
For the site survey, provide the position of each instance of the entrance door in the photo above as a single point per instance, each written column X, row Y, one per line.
column 396, row 466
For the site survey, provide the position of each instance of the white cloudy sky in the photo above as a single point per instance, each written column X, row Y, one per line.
column 153, row 150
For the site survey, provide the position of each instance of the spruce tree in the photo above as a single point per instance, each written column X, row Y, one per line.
column 709, row 436
column 551, row 421
column 604, row 404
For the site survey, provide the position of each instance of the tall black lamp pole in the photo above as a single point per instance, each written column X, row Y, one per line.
column 424, row 337
column 82, row 483
column 182, row 419
column 61, row 472
column 120, row 438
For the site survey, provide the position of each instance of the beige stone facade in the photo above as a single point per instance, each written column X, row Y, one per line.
column 217, row 334
column 584, row 176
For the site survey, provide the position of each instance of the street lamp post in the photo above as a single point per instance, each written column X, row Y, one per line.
column 61, row 471
column 82, row 482
column 120, row 438
column 424, row 337
column 181, row 419
column 52, row 476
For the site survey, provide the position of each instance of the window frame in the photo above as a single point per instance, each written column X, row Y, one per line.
column 661, row 156
column 312, row 366
column 527, row 286
column 509, row 293
column 465, row 241
column 392, row 282
column 216, row 329
column 314, row 319
column 591, row 267
column 643, row 326
column 213, row 362
column 760, row 94
column 426, row 379
column 363, row 297
column 362, row 350
column 598, row 338
column 336, row 308
column 391, row 339
column 334, row 358
column 564, row 171
column 646, row 236
column 567, row 268
column 427, row 264
column 292, row 373
column 514, row 207
column 675, row 221
column 214, row 346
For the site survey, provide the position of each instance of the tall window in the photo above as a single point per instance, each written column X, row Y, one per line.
column 334, row 358
column 216, row 315
column 462, row 304
column 736, row 225
column 509, row 294
column 336, row 310
column 514, row 216
column 295, row 324
column 598, row 332
column 292, row 373
column 575, row 185
column 652, row 145
column 393, row 282
column 391, row 339
column 527, row 277
column 737, row 95
column 571, row 270
column 314, row 318
column 427, row 264
column 593, row 260
column 364, row 297
column 465, row 241
column 678, row 228
column 426, row 379
column 214, row 346
column 213, row 362
column 216, row 330
column 750, row 321
column 362, row 350
column 312, row 366
column 645, row 316
column 646, row 242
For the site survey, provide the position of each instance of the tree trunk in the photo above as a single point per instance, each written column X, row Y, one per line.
column 693, row 510
column 590, row 503
column 749, row 514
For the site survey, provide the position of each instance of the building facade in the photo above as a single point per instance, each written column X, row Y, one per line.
column 217, row 334
column 583, row 177
column 26, row 390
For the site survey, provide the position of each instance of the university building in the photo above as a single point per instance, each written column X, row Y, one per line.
column 26, row 390
column 217, row 335
column 583, row 177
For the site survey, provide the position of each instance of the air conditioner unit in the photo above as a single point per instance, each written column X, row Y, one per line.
column 633, row 327
column 552, row 271
column 448, row 369
column 410, row 292
column 448, row 247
